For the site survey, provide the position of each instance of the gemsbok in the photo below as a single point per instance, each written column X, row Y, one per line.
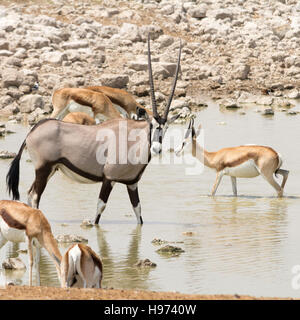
column 79, row 118
column 247, row 161
column 81, row 267
column 117, row 150
column 100, row 104
column 22, row 223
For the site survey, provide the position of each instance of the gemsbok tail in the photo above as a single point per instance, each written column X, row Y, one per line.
column 12, row 177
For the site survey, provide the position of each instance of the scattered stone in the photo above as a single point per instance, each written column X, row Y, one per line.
column 67, row 238
column 189, row 233
column 292, row 113
column 158, row 242
column 6, row 154
column 145, row 263
column 86, row 223
column 13, row 264
column 268, row 112
column 170, row 250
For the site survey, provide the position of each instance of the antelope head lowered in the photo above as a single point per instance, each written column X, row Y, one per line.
column 117, row 150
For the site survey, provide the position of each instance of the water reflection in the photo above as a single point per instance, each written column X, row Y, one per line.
column 239, row 245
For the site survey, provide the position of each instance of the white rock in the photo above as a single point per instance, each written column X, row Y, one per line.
column 130, row 31
column 114, row 80
column 54, row 58
column 12, row 77
column 75, row 44
column 30, row 102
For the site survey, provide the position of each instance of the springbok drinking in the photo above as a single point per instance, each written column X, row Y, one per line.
column 97, row 101
column 20, row 223
column 99, row 98
column 81, row 267
column 79, row 118
column 246, row 161
column 117, row 150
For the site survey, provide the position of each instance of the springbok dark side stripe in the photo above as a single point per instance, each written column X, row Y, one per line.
column 11, row 222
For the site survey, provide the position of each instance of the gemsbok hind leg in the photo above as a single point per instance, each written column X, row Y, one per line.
column 42, row 176
column 135, row 201
column 106, row 188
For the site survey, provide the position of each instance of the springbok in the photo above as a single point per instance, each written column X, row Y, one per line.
column 80, row 118
column 121, row 98
column 99, row 102
column 246, row 161
column 117, row 150
column 81, row 267
column 21, row 223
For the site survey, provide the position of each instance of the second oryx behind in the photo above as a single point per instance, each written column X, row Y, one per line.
column 117, row 150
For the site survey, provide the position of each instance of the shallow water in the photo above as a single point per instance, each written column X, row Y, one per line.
column 243, row 245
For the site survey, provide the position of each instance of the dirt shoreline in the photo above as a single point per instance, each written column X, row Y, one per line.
column 52, row 293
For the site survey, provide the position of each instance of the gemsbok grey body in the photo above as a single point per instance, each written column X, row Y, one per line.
column 246, row 161
column 117, row 150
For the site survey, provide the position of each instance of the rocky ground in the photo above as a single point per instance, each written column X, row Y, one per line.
column 235, row 51
column 51, row 293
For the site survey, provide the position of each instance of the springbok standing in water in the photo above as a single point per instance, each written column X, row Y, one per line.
column 117, row 150
column 20, row 223
column 246, row 161
column 81, row 267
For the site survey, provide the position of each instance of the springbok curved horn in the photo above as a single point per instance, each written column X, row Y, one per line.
column 154, row 107
column 173, row 87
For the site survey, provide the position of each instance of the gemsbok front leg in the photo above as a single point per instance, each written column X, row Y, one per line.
column 106, row 188
column 135, row 201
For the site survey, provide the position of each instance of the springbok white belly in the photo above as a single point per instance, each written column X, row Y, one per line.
column 245, row 170
column 73, row 176
column 11, row 234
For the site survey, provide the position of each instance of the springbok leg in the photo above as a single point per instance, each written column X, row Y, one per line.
column 233, row 182
column 106, row 188
column 135, row 201
column 285, row 174
column 30, row 255
column 273, row 183
column 217, row 182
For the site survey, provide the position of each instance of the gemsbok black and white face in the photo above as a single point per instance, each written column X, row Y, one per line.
column 160, row 123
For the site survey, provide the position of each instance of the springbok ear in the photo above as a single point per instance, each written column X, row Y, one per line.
column 172, row 119
column 140, row 112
